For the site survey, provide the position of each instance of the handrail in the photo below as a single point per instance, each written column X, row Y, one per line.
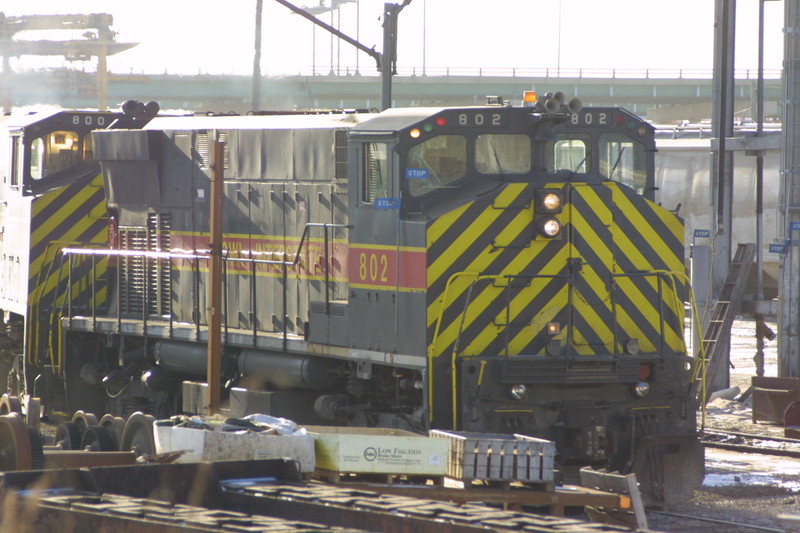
column 306, row 231
column 195, row 258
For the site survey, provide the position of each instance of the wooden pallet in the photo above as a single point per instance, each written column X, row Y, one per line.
column 335, row 477
column 514, row 498
column 478, row 484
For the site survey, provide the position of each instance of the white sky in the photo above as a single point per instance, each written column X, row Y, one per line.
column 204, row 36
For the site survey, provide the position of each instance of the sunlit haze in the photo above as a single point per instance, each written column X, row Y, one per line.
column 201, row 36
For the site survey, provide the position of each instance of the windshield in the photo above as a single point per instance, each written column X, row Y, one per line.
column 56, row 151
column 569, row 153
column 503, row 154
column 623, row 160
column 435, row 163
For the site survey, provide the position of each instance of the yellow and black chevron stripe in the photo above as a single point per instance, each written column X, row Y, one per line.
column 71, row 215
column 494, row 285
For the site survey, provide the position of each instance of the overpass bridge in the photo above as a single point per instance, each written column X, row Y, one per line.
column 660, row 95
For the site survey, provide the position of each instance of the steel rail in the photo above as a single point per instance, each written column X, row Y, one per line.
column 716, row 521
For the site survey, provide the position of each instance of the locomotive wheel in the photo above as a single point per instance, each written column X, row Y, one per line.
column 115, row 425
column 98, row 439
column 37, row 449
column 68, row 436
column 84, row 420
column 33, row 412
column 10, row 404
column 138, row 434
column 15, row 444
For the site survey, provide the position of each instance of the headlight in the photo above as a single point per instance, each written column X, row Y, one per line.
column 550, row 227
column 642, row 389
column 519, row 392
column 547, row 201
column 551, row 202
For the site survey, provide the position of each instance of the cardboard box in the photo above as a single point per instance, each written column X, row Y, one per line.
column 497, row 457
column 212, row 445
column 378, row 451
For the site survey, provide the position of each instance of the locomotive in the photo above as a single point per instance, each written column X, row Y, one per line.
column 490, row 268
column 51, row 196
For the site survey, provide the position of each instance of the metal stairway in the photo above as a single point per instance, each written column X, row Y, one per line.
column 718, row 322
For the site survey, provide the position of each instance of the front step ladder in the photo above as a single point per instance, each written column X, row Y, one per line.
column 720, row 320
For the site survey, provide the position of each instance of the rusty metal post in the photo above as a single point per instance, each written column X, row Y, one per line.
column 215, row 279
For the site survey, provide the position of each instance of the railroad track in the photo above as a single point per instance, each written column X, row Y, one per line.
column 752, row 443
column 89, row 480
column 242, row 496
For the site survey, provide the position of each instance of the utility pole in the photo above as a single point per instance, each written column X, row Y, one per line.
column 789, row 317
column 722, row 158
column 389, row 62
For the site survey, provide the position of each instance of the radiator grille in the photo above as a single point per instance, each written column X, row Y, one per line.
column 146, row 282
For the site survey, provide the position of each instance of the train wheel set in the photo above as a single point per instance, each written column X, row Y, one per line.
column 83, row 441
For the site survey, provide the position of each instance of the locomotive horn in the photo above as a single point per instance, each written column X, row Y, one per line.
column 558, row 95
column 575, row 105
column 551, row 105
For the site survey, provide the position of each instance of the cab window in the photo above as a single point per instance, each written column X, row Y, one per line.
column 623, row 160
column 17, row 162
column 569, row 153
column 375, row 175
column 435, row 163
column 503, row 154
column 54, row 152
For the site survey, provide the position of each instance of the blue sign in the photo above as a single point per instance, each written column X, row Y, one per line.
column 387, row 203
column 777, row 248
column 794, row 226
column 417, row 173
column 702, row 233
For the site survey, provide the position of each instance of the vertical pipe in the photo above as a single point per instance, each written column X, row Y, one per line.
column 253, row 298
column 102, row 77
column 760, row 159
column 255, row 104
column 215, row 280
column 225, row 295
column 327, row 274
column 70, row 265
column 171, row 309
column 424, row 37
column 358, row 32
column 284, row 277
column 94, row 294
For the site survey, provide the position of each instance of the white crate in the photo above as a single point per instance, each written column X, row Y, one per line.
column 378, row 451
column 210, row 445
column 496, row 457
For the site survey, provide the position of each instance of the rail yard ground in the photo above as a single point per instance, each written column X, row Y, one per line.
column 740, row 488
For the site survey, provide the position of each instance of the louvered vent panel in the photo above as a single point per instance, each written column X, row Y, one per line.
column 340, row 155
column 201, row 147
column 158, row 270
column 223, row 138
column 132, row 271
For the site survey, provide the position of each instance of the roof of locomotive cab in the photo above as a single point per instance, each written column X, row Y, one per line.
column 23, row 120
column 255, row 122
column 396, row 119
